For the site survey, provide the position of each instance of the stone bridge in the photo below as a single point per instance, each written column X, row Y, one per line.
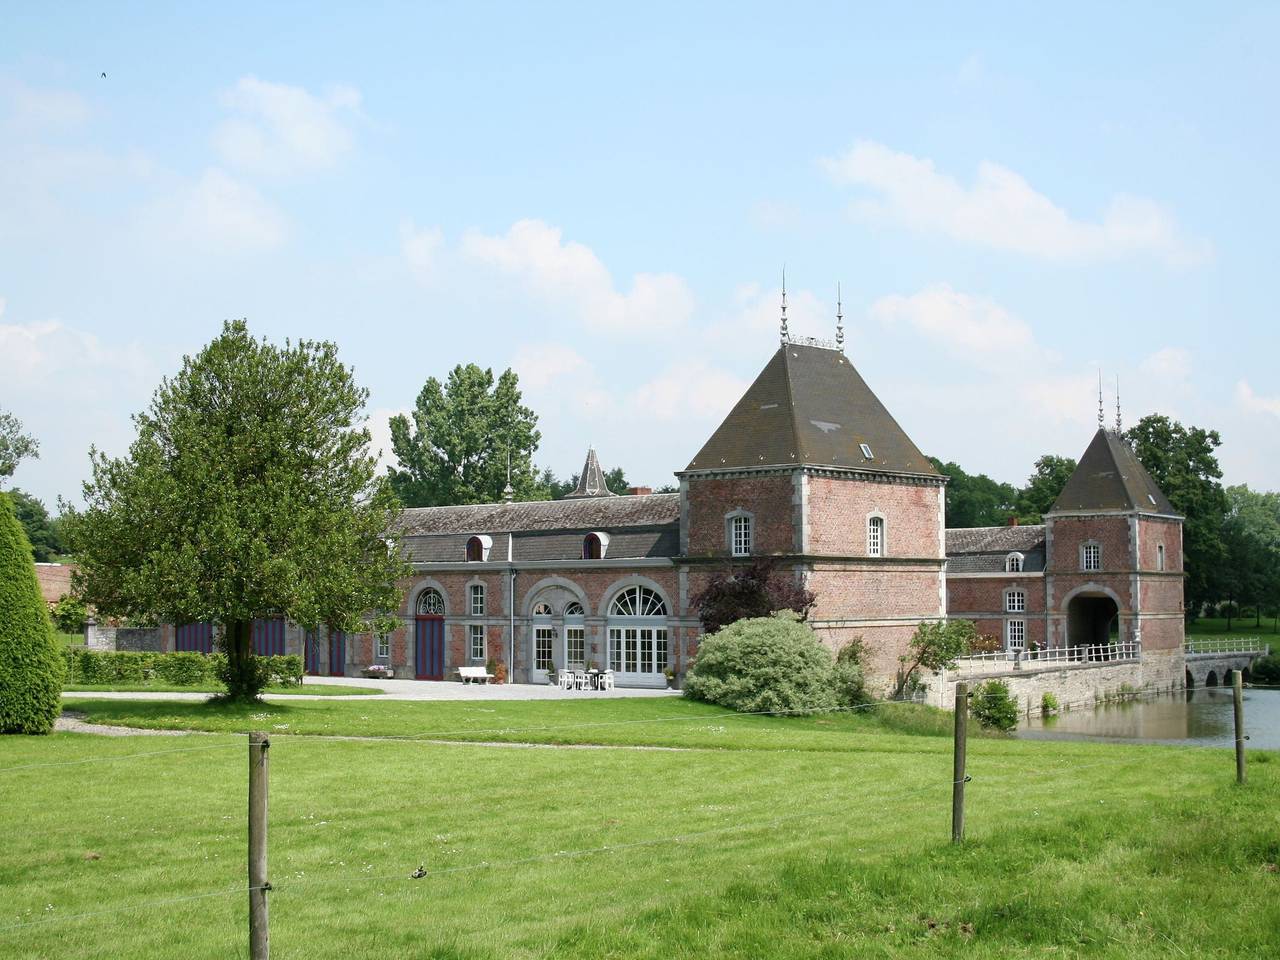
column 1210, row 662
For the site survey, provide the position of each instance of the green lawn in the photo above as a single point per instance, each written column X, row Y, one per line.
column 1240, row 627
column 68, row 639
column 311, row 689
column 802, row 840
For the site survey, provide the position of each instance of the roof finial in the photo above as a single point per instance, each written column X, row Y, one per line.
column 1101, row 416
column 508, row 492
column 839, row 320
column 786, row 336
column 1119, row 428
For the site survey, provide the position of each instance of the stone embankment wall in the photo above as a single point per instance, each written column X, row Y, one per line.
column 132, row 639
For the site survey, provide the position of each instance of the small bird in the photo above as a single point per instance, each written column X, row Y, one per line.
column 419, row 873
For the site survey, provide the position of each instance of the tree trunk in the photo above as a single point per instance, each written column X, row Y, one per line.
column 243, row 678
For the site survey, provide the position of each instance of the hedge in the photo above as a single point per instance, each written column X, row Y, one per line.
column 172, row 669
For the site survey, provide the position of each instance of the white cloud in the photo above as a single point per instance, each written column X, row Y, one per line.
column 1003, row 211
column 542, row 365
column 43, row 107
column 279, row 129
column 222, row 212
column 569, row 276
column 688, row 391
column 421, row 248
column 1256, row 402
column 1167, row 364
column 39, row 353
column 984, row 330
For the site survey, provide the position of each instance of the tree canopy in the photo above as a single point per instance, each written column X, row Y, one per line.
column 15, row 445
column 248, row 493
column 454, row 448
column 1182, row 462
column 43, row 532
column 1043, row 487
column 1251, row 537
column 975, row 500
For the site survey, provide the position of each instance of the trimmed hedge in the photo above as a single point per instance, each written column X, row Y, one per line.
column 171, row 669
column 30, row 671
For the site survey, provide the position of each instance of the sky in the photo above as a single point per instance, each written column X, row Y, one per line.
column 603, row 197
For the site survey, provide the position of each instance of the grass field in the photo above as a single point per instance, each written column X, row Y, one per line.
column 313, row 689
column 1240, row 627
column 68, row 639
column 795, row 839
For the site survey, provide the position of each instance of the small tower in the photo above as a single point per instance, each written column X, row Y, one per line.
column 591, row 481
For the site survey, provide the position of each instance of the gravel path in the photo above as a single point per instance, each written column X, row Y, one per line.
column 73, row 722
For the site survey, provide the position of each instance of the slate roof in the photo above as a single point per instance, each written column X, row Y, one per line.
column 984, row 549
column 1109, row 477
column 587, row 514
column 661, row 541
column 810, row 406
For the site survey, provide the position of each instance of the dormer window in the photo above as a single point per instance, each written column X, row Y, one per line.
column 595, row 546
column 866, row 451
column 1013, row 563
column 478, row 549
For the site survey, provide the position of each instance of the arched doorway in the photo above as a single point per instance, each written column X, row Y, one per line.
column 638, row 647
column 1093, row 619
column 428, row 636
column 1211, row 680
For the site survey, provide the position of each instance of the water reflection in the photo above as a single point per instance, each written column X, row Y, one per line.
column 1201, row 717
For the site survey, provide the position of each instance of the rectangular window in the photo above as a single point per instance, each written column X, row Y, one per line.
column 866, row 451
column 630, row 651
column 576, row 640
column 646, row 651
column 384, row 647
column 615, row 649
column 477, row 599
column 1160, row 556
column 543, row 638
column 1016, row 635
column 661, row 649
column 1092, row 557
column 475, row 634
column 1015, row 601
column 875, row 537
column 742, row 536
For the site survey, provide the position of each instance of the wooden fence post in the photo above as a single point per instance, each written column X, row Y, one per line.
column 957, row 775
column 259, row 946
column 1237, row 689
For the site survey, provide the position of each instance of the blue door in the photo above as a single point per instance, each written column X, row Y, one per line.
column 268, row 638
column 337, row 653
column 429, row 648
column 194, row 638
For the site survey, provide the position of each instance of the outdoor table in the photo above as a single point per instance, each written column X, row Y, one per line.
column 594, row 676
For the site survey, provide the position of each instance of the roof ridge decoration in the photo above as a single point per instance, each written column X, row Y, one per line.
column 591, row 481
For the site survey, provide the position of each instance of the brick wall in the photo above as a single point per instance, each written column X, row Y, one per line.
column 769, row 499
column 839, row 507
column 1152, row 533
column 1066, row 534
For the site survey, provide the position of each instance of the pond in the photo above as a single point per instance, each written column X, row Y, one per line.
column 1200, row 717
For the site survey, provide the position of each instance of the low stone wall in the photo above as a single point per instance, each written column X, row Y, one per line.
column 139, row 639
column 1078, row 684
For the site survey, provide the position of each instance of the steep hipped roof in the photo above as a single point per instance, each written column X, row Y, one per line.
column 810, row 406
column 1109, row 477
column 591, row 480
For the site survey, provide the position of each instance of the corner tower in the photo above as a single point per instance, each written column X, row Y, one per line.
column 811, row 470
column 1113, row 560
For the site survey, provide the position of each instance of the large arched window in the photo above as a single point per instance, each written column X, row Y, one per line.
column 875, row 536
column 1013, row 563
column 430, row 603
column 638, row 650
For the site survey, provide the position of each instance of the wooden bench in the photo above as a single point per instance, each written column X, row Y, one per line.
column 474, row 675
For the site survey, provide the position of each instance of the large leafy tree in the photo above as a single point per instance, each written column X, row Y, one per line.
column 975, row 500
column 1043, row 487
column 249, row 492
column 1182, row 462
column 455, row 447
column 1251, row 535
column 43, row 532
column 15, row 445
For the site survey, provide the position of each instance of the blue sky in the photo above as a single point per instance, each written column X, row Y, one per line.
column 603, row 199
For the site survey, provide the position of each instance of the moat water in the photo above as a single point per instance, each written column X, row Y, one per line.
column 1200, row 717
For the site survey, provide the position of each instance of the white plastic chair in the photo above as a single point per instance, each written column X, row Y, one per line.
column 565, row 679
column 606, row 680
column 583, row 681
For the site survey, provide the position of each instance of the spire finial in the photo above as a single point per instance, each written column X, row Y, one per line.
column 839, row 320
column 1119, row 428
column 786, row 336
column 508, row 492
column 1101, row 416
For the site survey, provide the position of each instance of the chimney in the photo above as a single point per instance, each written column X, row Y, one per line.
column 639, row 491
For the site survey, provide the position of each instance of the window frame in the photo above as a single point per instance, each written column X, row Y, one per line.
column 476, row 632
column 1088, row 549
column 1009, row 603
column 1014, row 562
column 1160, row 558
column 382, row 646
column 1018, row 625
column 877, row 539
column 477, row 601
column 733, row 520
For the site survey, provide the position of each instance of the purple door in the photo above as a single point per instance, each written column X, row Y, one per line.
column 268, row 638
column 194, row 638
column 313, row 653
column 429, row 648
column 337, row 653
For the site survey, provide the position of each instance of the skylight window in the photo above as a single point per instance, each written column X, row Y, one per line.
column 1152, row 499
column 866, row 451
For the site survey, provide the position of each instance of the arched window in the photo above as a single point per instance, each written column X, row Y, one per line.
column 477, row 550
column 875, row 536
column 1013, row 563
column 638, row 650
column 542, row 609
column 1159, row 556
column 594, row 546
column 1015, row 601
column 572, row 609
column 430, row 603
column 739, row 533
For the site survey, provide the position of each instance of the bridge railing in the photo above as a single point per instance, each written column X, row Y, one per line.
column 1007, row 661
column 1225, row 645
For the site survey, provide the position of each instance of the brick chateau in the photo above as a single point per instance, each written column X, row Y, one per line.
column 811, row 470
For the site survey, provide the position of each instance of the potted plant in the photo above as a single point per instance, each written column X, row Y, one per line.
column 671, row 676
column 551, row 676
column 500, row 672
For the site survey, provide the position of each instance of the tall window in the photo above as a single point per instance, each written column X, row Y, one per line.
column 1015, row 635
column 475, row 636
column 875, row 536
column 1159, row 556
column 1015, row 601
column 543, row 639
column 741, row 532
column 636, row 646
column 1013, row 563
column 576, row 646
column 1091, row 557
column 383, row 651
column 477, row 599
column 475, row 550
